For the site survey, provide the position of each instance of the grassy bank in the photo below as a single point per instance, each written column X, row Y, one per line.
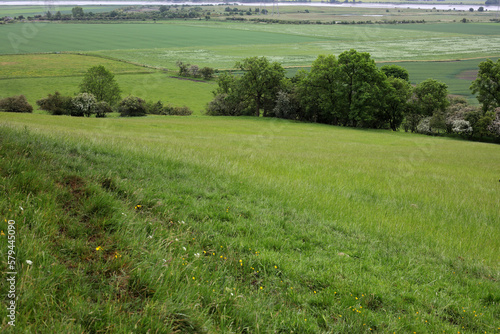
column 248, row 225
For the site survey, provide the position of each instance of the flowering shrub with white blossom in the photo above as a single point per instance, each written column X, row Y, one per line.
column 462, row 127
column 83, row 104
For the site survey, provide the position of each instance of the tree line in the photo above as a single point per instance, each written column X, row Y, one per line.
column 350, row 90
column 99, row 95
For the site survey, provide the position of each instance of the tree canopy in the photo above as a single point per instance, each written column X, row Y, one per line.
column 396, row 71
column 487, row 84
column 261, row 82
column 101, row 83
column 431, row 95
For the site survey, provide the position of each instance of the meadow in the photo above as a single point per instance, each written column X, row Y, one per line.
column 38, row 75
column 146, row 53
column 245, row 225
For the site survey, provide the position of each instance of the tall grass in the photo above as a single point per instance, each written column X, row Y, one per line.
column 247, row 225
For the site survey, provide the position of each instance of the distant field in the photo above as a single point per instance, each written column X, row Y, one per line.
column 458, row 75
column 220, row 45
column 15, row 11
column 59, row 65
column 35, row 76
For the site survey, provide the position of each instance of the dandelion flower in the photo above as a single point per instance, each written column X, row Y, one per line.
column 98, row 248
column 2, row 234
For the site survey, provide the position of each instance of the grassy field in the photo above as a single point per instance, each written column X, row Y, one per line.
column 36, row 76
column 26, row 11
column 217, row 225
column 221, row 44
column 383, row 42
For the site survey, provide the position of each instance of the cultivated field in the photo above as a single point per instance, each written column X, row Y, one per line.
column 221, row 44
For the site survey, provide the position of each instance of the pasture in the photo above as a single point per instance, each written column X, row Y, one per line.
column 213, row 224
column 220, row 45
column 38, row 75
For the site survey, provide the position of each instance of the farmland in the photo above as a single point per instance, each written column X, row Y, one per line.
column 221, row 44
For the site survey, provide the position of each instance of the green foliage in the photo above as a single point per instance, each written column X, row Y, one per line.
column 154, row 108
column 207, row 72
column 438, row 122
column 260, row 83
column 362, row 86
column 396, row 71
column 177, row 111
column 77, row 12
column 487, row 84
column 225, row 104
column 56, row 104
column 494, row 127
column 102, row 108
column 287, row 105
column 318, row 91
column 132, row 106
column 101, row 83
column 183, row 68
column 15, row 104
column 396, row 101
column 482, row 125
column 84, row 104
column 431, row 96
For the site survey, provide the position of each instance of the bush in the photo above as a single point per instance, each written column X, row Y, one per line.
column 155, row 108
column 207, row 73
column 177, row 111
column 424, row 126
column 462, row 127
column 224, row 105
column 194, row 70
column 16, row 104
column 458, row 110
column 83, row 105
column 56, row 104
column 132, row 106
column 102, row 108
column 286, row 106
column 494, row 127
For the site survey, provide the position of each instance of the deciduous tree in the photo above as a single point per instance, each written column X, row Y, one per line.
column 431, row 95
column 487, row 85
column 362, row 87
column 261, row 82
column 102, row 84
column 396, row 71
column 396, row 101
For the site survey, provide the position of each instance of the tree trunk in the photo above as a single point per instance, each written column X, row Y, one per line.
column 257, row 109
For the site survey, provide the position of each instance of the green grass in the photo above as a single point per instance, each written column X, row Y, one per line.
column 383, row 42
column 300, row 227
column 36, row 76
column 53, row 37
column 15, row 11
column 59, row 65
